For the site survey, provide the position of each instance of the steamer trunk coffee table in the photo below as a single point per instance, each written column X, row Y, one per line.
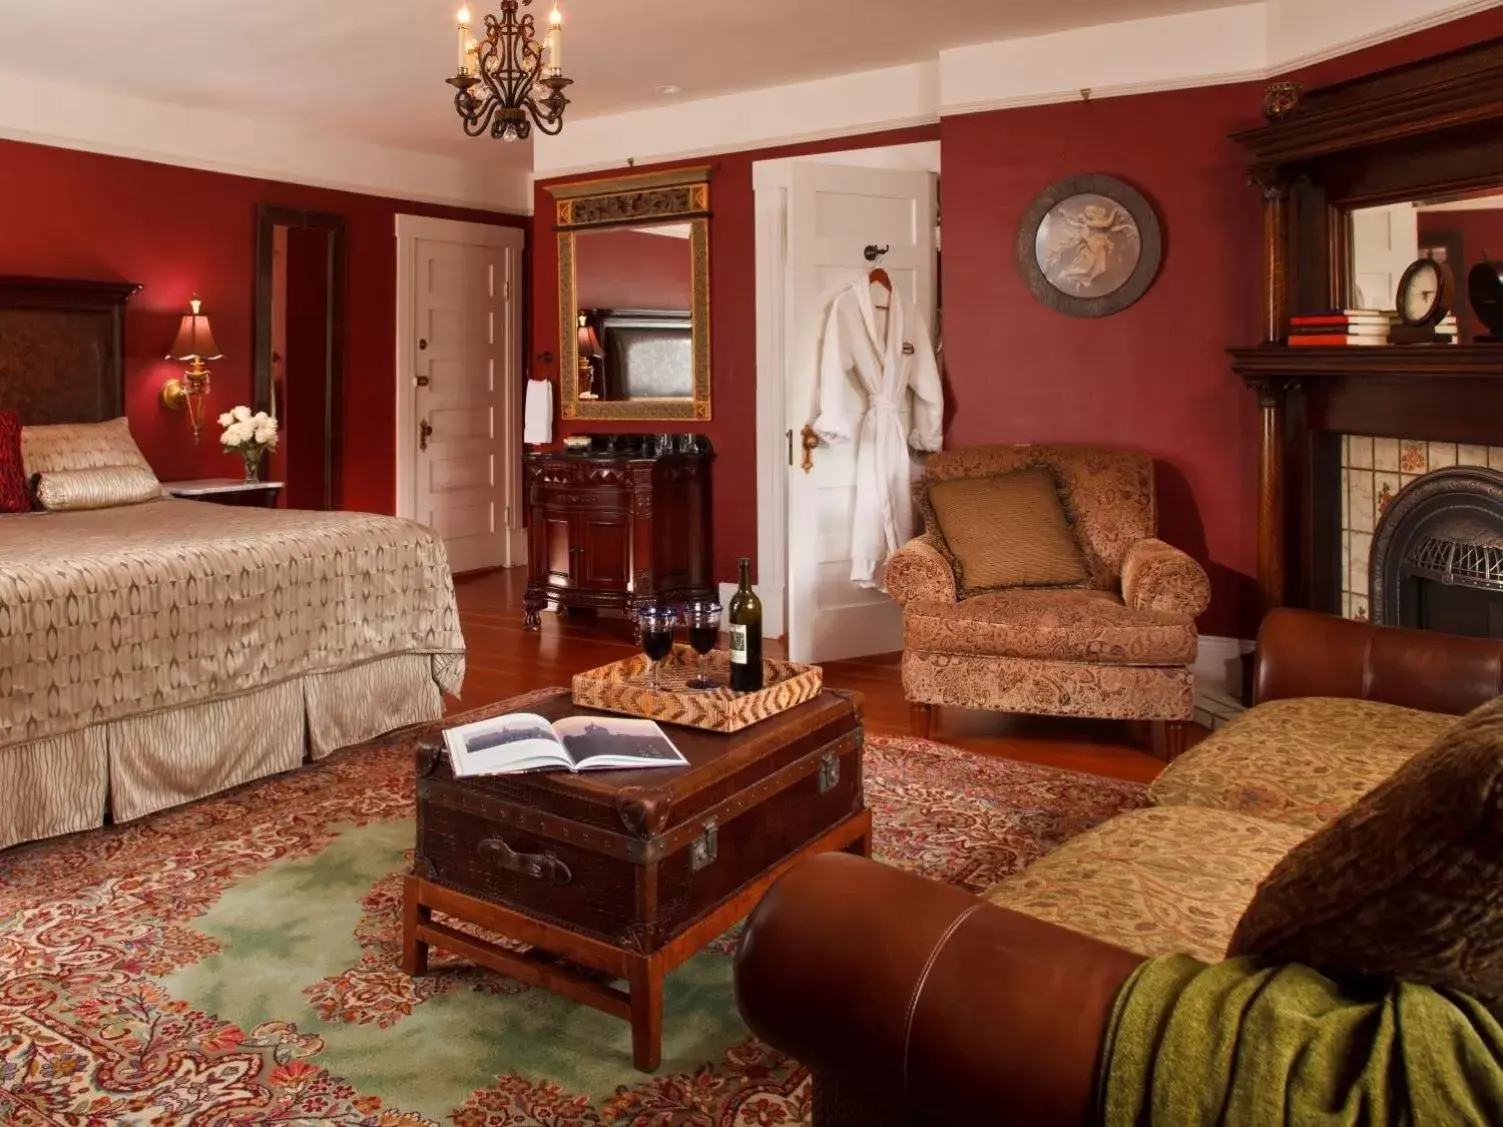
column 629, row 873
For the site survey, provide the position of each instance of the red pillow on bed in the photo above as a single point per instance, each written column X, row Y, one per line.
column 14, row 497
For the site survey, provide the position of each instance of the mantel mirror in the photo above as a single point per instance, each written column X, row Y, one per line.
column 634, row 296
column 1463, row 231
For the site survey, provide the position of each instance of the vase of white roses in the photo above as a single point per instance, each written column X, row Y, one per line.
column 250, row 436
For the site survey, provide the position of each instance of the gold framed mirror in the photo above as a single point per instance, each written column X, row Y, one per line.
column 634, row 296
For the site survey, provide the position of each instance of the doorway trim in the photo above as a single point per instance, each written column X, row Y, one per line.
column 409, row 229
column 268, row 218
column 771, row 182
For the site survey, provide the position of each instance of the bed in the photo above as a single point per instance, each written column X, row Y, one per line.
column 156, row 652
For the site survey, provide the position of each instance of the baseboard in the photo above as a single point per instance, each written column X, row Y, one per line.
column 1219, row 664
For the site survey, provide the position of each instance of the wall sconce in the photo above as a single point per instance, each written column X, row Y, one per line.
column 194, row 345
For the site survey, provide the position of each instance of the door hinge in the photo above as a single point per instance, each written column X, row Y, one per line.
column 506, row 290
column 706, row 848
column 829, row 771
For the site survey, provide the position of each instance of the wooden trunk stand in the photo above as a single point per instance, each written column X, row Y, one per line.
column 629, row 873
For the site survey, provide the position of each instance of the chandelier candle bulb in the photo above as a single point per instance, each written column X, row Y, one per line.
column 556, row 41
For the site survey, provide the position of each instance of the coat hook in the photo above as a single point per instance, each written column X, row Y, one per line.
column 874, row 252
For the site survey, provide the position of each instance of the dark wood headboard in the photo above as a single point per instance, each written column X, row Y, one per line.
column 62, row 357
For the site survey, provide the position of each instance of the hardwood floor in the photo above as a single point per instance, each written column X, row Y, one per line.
column 505, row 660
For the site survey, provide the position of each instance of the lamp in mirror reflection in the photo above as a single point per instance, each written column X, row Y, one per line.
column 589, row 351
column 194, row 345
column 508, row 80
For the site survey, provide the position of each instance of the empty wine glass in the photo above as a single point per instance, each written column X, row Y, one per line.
column 702, row 617
column 656, row 622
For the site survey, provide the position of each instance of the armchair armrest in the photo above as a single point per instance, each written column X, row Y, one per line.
column 918, row 571
column 923, row 997
column 1304, row 654
column 1158, row 576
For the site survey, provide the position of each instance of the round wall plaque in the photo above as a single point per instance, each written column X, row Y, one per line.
column 1089, row 246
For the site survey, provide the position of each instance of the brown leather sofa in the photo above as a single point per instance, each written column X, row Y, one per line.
column 913, row 1002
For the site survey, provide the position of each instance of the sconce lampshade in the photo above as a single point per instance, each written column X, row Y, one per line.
column 589, row 343
column 195, row 340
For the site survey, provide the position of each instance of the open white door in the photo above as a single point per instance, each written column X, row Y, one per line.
column 833, row 213
column 462, row 351
column 1385, row 240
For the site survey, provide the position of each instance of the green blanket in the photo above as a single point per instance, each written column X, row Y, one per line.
column 1247, row 1045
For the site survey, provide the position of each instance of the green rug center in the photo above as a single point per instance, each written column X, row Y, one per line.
column 325, row 930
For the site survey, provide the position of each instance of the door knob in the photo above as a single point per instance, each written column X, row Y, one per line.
column 424, row 430
column 810, row 441
column 422, row 344
column 423, row 381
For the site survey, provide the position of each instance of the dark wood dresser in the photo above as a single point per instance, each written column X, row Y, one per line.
column 618, row 526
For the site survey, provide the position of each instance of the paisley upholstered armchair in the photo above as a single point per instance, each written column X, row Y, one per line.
column 1103, row 624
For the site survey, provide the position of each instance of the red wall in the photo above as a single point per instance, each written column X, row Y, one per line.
column 1153, row 378
column 181, row 232
column 733, row 332
column 632, row 270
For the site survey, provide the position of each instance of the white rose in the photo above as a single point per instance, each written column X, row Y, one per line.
column 265, row 435
column 226, row 419
column 238, row 435
column 241, row 413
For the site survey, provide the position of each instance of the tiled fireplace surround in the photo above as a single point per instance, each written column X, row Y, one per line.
column 1373, row 470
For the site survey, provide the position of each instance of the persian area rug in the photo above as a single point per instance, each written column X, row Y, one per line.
column 237, row 962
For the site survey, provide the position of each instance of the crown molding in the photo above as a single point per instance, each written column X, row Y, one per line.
column 1210, row 47
column 48, row 112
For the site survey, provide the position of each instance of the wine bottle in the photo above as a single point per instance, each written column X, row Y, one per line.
column 745, row 618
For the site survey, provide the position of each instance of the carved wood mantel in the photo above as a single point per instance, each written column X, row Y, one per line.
column 1421, row 130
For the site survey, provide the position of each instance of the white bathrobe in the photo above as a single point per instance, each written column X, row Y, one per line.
column 890, row 357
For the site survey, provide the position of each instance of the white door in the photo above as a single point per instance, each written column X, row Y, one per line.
column 1385, row 240
column 465, row 390
column 834, row 213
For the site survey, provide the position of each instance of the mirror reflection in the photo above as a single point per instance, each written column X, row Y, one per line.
column 298, row 359
column 634, row 291
column 1463, row 232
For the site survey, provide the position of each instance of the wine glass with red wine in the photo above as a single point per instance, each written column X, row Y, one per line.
column 657, row 623
column 702, row 617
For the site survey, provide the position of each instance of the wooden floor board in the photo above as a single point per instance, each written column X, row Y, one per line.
column 505, row 660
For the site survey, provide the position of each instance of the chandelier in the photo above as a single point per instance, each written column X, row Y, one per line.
column 510, row 81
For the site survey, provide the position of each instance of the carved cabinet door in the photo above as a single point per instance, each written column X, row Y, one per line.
column 604, row 550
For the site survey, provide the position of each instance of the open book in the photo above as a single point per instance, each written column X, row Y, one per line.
column 522, row 741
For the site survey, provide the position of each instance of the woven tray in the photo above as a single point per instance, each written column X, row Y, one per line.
column 622, row 687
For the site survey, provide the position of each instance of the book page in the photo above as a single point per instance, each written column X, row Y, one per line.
column 616, row 741
column 519, row 742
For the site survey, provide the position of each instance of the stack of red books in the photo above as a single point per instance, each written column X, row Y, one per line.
column 1339, row 328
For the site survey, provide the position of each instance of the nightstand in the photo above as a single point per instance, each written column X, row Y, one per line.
column 226, row 491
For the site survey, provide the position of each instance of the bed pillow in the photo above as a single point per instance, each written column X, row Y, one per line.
column 14, row 496
column 1006, row 530
column 79, row 446
column 1408, row 883
column 99, row 488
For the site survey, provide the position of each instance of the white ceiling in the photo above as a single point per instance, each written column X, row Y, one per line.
column 373, row 70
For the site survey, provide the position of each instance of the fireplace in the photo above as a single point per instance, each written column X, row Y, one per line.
column 1436, row 558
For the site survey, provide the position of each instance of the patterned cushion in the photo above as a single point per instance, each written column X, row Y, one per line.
column 1408, row 883
column 1108, row 493
column 1158, row 576
column 78, row 446
column 1156, row 881
column 1050, row 688
column 99, row 488
column 1301, row 761
column 14, row 496
column 1004, row 530
column 1053, row 623
column 918, row 571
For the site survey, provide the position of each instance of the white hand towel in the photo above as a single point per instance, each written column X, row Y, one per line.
column 537, row 415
